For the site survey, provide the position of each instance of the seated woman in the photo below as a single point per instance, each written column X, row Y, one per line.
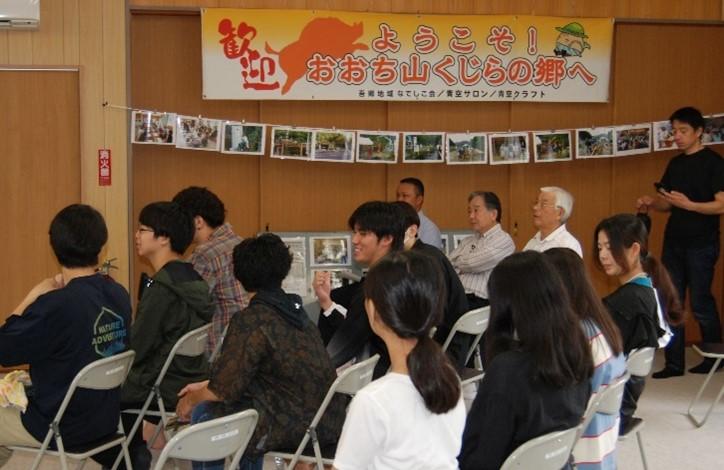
column 413, row 417
column 538, row 363
column 644, row 304
column 597, row 447
column 272, row 360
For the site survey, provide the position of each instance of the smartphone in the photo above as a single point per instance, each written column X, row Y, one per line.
column 660, row 187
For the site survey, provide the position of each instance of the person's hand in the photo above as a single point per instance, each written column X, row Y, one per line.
column 43, row 287
column 675, row 198
column 194, row 387
column 643, row 203
column 322, row 285
column 184, row 408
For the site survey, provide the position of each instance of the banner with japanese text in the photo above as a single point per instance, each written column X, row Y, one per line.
column 334, row 55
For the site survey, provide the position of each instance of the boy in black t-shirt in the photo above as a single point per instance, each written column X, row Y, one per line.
column 692, row 190
column 63, row 324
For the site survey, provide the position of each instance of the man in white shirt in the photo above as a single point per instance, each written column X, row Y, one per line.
column 477, row 255
column 412, row 191
column 550, row 213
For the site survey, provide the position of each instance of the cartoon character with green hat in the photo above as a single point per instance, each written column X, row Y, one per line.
column 571, row 41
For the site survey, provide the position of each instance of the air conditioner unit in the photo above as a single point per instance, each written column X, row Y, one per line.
column 21, row 14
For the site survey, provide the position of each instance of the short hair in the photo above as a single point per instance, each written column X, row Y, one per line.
column 77, row 235
column 201, row 202
column 408, row 214
column 168, row 219
column 380, row 218
column 564, row 200
column 419, row 187
column 491, row 201
column 690, row 116
column 262, row 262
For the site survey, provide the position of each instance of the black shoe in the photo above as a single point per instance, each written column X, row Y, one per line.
column 667, row 372
column 705, row 366
column 628, row 425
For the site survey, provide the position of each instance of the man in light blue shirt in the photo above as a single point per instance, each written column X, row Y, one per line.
column 412, row 191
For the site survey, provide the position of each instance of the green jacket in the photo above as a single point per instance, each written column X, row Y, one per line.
column 176, row 301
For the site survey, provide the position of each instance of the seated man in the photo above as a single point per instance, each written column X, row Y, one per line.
column 550, row 213
column 477, row 255
column 62, row 325
column 343, row 321
column 272, row 360
column 412, row 191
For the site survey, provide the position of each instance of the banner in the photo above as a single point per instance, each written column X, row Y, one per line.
column 334, row 55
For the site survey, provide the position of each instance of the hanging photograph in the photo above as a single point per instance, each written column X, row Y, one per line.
column 713, row 130
column 466, row 149
column 292, row 142
column 663, row 136
column 198, row 133
column 422, row 147
column 633, row 140
column 243, row 138
column 553, row 146
column 511, row 148
column 296, row 281
column 596, row 142
column 333, row 146
column 330, row 250
column 377, row 147
column 153, row 128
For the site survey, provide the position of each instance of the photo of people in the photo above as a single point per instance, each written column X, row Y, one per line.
column 333, row 146
column 713, row 130
column 421, row 147
column 633, row 140
column 153, row 128
column 595, row 142
column 243, row 138
column 377, row 147
column 330, row 251
column 291, row 142
column 506, row 149
column 465, row 149
column 663, row 136
column 553, row 146
column 198, row 133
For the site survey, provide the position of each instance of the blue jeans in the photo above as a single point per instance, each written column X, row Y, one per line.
column 203, row 412
column 692, row 268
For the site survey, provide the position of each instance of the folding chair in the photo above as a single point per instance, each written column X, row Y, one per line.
column 191, row 344
column 349, row 382
column 212, row 440
column 606, row 401
column 639, row 364
column 547, row 452
column 474, row 322
column 104, row 374
column 713, row 351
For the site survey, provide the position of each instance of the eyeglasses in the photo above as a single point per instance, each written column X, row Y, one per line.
column 542, row 204
column 144, row 229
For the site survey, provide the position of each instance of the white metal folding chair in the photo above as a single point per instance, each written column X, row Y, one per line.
column 547, row 452
column 104, row 374
column 349, row 382
column 711, row 351
column 607, row 401
column 639, row 364
column 212, row 440
column 191, row 344
column 474, row 322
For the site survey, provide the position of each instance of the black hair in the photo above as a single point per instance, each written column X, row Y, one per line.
column 623, row 230
column 201, row 202
column 408, row 215
column 584, row 300
column 168, row 219
column 77, row 235
column 690, row 116
column 491, row 201
column 530, row 312
column 419, row 187
column 380, row 218
column 262, row 262
column 408, row 293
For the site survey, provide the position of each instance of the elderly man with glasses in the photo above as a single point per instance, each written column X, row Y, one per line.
column 550, row 213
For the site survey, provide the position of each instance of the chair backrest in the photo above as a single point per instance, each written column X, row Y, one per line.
column 547, row 452
column 606, row 401
column 640, row 361
column 212, row 440
column 191, row 344
column 474, row 322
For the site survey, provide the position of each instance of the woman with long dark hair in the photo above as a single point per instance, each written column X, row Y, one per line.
column 645, row 303
column 597, row 447
column 413, row 417
column 538, row 363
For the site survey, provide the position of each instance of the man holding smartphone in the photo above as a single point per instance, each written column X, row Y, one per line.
column 692, row 190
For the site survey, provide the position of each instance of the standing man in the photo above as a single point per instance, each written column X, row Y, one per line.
column 692, row 190
column 412, row 191
column 477, row 255
column 550, row 214
column 213, row 256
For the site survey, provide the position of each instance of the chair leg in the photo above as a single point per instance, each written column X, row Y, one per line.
column 61, row 452
column 41, row 452
column 690, row 411
column 641, row 450
column 81, row 464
